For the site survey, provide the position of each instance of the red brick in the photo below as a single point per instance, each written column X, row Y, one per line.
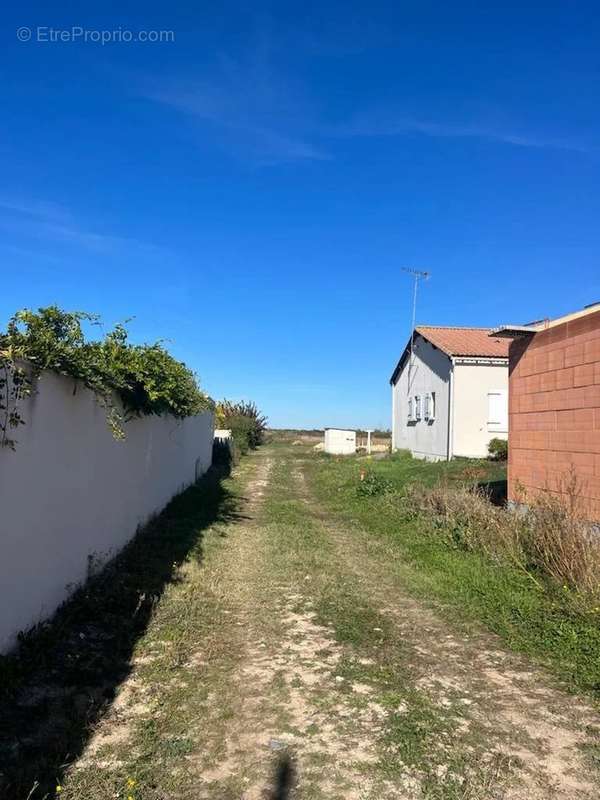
column 583, row 463
column 574, row 355
column 551, row 336
column 576, row 419
column 517, row 385
column 569, row 441
column 588, row 324
column 541, row 362
column 564, row 378
column 592, row 396
column 544, row 421
column 592, row 488
column 547, row 381
column 541, row 401
column 556, row 359
column 527, row 367
column 583, row 375
column 559, row 460
column 597, row 373
column 532, row 384
column 523, row 404
column 591, row 350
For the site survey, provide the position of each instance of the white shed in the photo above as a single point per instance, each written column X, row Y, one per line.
column 340, row 442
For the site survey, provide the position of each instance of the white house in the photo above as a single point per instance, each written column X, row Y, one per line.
column 450, row 393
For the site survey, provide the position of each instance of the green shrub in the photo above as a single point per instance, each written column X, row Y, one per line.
column 241, row 428
column 247, row 424
column 372, row 484
column 498, row 449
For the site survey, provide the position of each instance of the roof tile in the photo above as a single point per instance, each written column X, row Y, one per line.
column 465, row 341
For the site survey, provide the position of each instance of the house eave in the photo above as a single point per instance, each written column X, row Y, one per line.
column 514, row 331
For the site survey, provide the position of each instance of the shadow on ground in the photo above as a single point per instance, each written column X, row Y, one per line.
column 65, row 673
column 496, row 491
column 284, row 779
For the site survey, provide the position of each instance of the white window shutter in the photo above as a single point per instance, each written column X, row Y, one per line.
column 498, row 410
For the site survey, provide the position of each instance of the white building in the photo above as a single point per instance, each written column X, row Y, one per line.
column 451, row 396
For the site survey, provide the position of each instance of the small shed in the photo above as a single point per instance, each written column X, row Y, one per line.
column 340, row 442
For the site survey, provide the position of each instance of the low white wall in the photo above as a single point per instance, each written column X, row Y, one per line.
column 71, row 491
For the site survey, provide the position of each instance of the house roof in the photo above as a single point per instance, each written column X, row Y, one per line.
column 465, row 341
column 473, row 342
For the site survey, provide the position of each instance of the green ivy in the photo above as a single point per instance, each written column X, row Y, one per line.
column 146, row 378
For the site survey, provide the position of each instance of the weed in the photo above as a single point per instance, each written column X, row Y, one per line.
column 371, row 484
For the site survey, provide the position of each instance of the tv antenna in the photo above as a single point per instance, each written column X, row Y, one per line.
column 417, row 275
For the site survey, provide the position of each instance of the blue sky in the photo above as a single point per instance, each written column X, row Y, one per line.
column 251, row 190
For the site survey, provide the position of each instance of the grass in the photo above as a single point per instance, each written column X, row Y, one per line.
column 544, row 621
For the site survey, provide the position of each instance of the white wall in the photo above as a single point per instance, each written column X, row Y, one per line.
column 70, row 491
column 472, row 429
column 430, row 373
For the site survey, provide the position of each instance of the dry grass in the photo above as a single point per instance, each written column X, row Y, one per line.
column 550, row 539
column 561, row 541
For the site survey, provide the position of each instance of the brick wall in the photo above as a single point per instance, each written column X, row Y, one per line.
column 554, row 410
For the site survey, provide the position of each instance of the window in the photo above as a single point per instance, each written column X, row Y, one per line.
column 410, row 409
column 498, row 410
column 429, row 407
column 418, row 406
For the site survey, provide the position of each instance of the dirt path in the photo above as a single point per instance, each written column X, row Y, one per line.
column 290, row 663
column 511, row 706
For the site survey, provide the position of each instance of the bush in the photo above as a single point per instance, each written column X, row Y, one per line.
column 247, row 424
column 372, row 484
column 498, row 449
column 241, row 432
